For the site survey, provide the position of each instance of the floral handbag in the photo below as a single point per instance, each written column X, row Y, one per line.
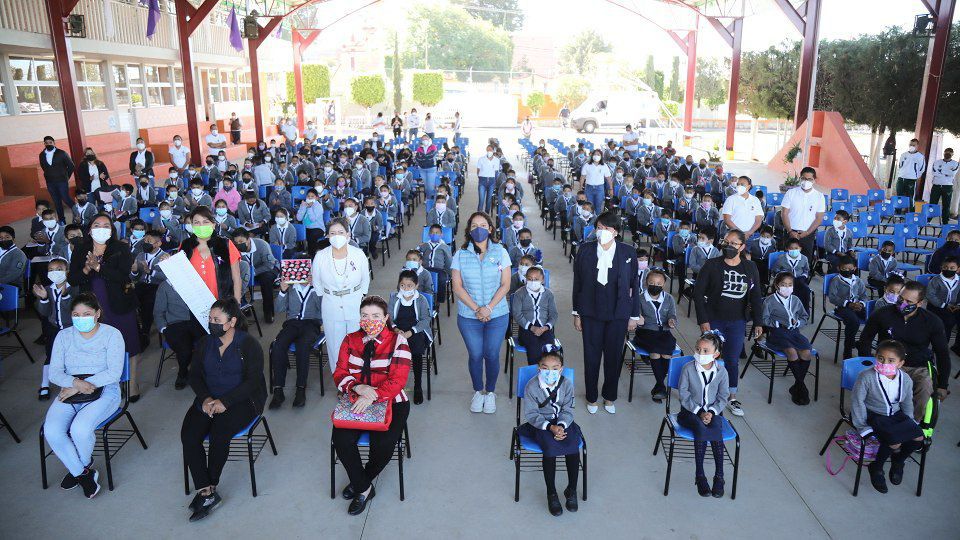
column 376, row 417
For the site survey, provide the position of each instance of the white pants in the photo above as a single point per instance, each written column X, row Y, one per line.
column 341, row 315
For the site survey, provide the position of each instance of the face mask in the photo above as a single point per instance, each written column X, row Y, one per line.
column 75, row 241
column 338, row 240
column 703, row 359
column 705, row 205
column 172, row 195
column 425, row 142
column 373, row 327
column 141, row 146
column 648, row 202
column 837, row 224
column 137, row 234
column 216, row 329
column 665, row 222
column 148, row 247
column 684, row 233
column 730, row 252
column 949, row 274
column 913, row 148
column 196, row 192
column 221, row 211
column 785, row 291
column 688, row 196
column 188, row 227
column 165, row 214
column 311, row 201
column 384, row 194
column 349, row 211
column 741, row 190
column 408, row 294
column 794, row 253
column 49, row 223
column 534, row 286
column 951, row 244
column 84, row 324
column 890, row 297
column 227, row 188
column 885, row 255
column 81, row 201
column 887, row 370
column 49, row 146
column 479, row 234
column 100, row 235
column 177, row 142
column 517, row 225
column 654, row 290
column 596, row 159
column 203, row 231
column 806, row 185
column 605, row 236
column 411, row 265
column 549, row 377
column 906, row 308
column 281, row 221
column 642, row 265
column 526, row 242
column 765, row 242
column 846, row 273
column 522, row 271
column 91, row 157
column 57, row 276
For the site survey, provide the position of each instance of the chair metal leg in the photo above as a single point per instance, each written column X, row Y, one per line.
column 923, row 464
column 736, row 470
column 584, row 462
column 23, row 346
column 666, row 481
column 773, row 372
column 406, row 438
column 43, row 460
column 816, row 377
column 186, row 477
column 333, row 470
column 400, row 468
column 859, row 462
column 253, row 472
column 656, row 443
column 136, row 430
column 163, row 357
column 266, row 427
column 516, row 480
column 832, row 435
column 106, row 458
column 4, row 423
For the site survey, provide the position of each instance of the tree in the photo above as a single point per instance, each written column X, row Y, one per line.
column 428, row 88
column 650, row 74
column 572, row 90
column 316, row 83
column 673, row 91
column 536, row 102
column 768, row 81
column 397, row 77
column 447, row 37
column 367, row 90
column 712, row 82
column 505, row 14
column 579, row 52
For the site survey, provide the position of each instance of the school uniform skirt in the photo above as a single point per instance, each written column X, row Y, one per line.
column 550, row 446
column 783, row 338
column 655, row 341
column 894, row 429
column 701, row 432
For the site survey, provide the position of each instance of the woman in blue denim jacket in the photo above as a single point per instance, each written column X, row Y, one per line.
column 480, row 276
column 86, row 357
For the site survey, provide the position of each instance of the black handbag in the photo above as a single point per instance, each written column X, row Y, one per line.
column 80, row 398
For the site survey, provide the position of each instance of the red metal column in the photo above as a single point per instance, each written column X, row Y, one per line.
column 734, row 94
column 689, row 93
column 808, row 24
column 57, row 12
column 942, row 10
column 189, row 19
column 252, row 46
column 300, row 44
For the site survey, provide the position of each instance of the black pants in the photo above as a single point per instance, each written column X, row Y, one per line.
column 382, row 446
column 550, row 472
column 801, row 289
column 235, row 137
column 182, row 337
column 949, row 319
column 851, row 324
column 146, row 295
column 602, row 341
column 303, row 334
column 397, row 132
column 660, row 366
column 49, row 332
column 313, row 241
column 206, row 467
column 265, row 281
column 60, row 195
column 534, row 344
column 808, row 245
column 943, row 195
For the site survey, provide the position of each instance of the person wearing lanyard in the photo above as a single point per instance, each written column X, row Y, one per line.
column 802, row 211
column 53, row 306
column 302, row 328
column 480, row 277
column 341, row 276
column 658, row 317
column 147, row 278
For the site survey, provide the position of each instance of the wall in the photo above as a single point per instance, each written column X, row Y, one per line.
column 34, row 127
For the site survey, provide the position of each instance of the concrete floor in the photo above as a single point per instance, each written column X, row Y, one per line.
column 459, row 483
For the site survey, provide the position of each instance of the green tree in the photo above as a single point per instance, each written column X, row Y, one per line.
column 768, row 81
column 650, row 75
column 447, row 37
column 367, row 90
column 712, row 82
column 536, row 101
column 428, row 88
column 397, row 76
column 505, row 14
column 580, row 51
column 673, row 91
column 572, row 90
column 316, row 83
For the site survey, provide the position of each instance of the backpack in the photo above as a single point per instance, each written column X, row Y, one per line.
column 850, row 443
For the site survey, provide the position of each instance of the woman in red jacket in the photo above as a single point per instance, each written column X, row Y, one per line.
column 373, row 366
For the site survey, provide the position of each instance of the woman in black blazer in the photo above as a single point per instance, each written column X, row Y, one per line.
column 92, row 169
column 101, row 265
column 147, row 166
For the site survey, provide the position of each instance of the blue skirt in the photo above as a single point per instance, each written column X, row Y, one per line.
column 550, row 446
column 701, row 431
column 894, row 429
column 782, row 338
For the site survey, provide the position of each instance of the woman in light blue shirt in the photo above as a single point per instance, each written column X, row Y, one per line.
column 87, row 358
column 480, row 276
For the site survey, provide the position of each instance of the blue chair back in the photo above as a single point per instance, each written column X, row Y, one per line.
column 10, row 297
column 900, row 202
column 842, row 205
column 931, row 210
column 876, row 195
column 859, row 201
column 528, row 372
column 839, row 194
column 277, row 252
column 852, row 368
column 774, row 198
column 429, row 298
column 125, row 376
column 864, row 257
column 546, row 278
column 924, row 279
column 676, row 366
column 301, row 230
column 871, row 305
column 772, row 259
column 587, row 231
column 148, row 214
column 870, row 219
column 859, row 230
column 300, row 192
column 826, row 285
column 915, row 218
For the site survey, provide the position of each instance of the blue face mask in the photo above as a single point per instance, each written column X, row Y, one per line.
column 684, row 233
column 549, row 377
column 479, row 234
column 84, row 324
column 665, row 222
column 793, row 253
column 412, row 265
column 648, row 202
column 435, row 237
column 137, row 235
column 221, row 211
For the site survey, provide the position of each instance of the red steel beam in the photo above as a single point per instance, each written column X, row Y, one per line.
column 189, row 19
column 808, row 62
column 930, row 91
column 690, row 92
column 736, row 31
column 300, row 44
column 252, row 46
column 57, row 12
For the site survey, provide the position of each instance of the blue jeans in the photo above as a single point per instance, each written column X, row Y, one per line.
column 70, row 430
column 483, row 341
column 60, row 196
column 595, row 195
column 733, row 332
column 485, row 190
column 429, row 181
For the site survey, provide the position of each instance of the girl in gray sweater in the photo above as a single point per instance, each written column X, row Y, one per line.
column 654, row 335
column 783, row 316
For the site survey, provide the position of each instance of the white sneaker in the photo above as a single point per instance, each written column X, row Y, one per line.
column 611, row 408
column 592, row 409
column 490, row 403
column 735, row 407
column 476, row 404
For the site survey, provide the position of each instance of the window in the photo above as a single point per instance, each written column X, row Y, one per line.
column 228, row 85
column 3, row 102
column 91, row 86
column 178, row 85
column 246, row 89
column 159, row 89
column 35, row 80
column 135, row 79
column 213, row 85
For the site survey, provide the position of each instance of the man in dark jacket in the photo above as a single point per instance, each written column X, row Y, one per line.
column 57, row 169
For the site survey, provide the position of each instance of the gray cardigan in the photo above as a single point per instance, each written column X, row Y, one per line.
column 13, row 264
column 868, row 396
column 939, row 295
column 668, row 311
column 698, row 257
column 880, row 270
column 522, row 309
column 776, row 315
column 288, row 239
column 262, row 259
column 420, row 308
column 290, row 302
column 360, row 229
column 543, row 417
column 840, row 293
column 691, row 389
column 168, row 307
column 802, row 269
column 260, row 213
column 436, row 256
column 833, row 244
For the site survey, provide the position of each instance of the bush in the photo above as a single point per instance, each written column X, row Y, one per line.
column 367, row 90
column 573, row 90
column 536, row 101
column 428, row 88
column 672, row 106
column 316, row 83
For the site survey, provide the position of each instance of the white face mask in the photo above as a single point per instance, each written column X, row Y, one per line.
column 408, row 294
column 741, row 189
column 703, row 359
column 177, row 142
column 765, row 242
column 837, row 224
column 165, row 214
column 57, row 276
column 441, row 207
column 522, row 271
column 349, row 211
column 49, row 223
column 489, row 155
column 806, row 185
column 785, row 291
column 141, row 146
column 596, row 159
column 281, row 221
column 214, row 131
column 338, row 240
column 534, row 286
column 100, row 235
column 913, row 148
column 605, row 236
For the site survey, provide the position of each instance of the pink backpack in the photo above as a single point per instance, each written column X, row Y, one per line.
column 850, row 442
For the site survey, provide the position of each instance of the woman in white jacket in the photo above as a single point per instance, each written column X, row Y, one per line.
column 341, row 276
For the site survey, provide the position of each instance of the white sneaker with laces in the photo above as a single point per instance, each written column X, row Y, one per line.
column 592, row 409
column 611, row 408
column 490, row 403
column 735, row 407
column 476, row 404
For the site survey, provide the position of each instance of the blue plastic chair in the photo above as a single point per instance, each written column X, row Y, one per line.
column 363, row 442
column 774, row 198
column 900, row 202
column 835, row 335
column 678, row 441
column 254, row 445
column 839, row 194
column 876, row 195
column 525, row 453
column 9, row 302
column 765, row 358
column 514, row 346
column 639, row 361
column 859, row 201
column 147, row 214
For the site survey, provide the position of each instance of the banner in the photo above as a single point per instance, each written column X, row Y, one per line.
column 190, row 286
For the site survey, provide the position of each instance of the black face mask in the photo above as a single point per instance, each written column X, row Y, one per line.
column 907, row 309
column 949, row 273
column 216, row 329
column 81, row 200
column 75, row 241
column 144, row 183
column 654, row 290
column 91, row 158
column 49, row 146
column 846, row 273
column 525, row 242
column 370, row 208
column 729, row 252
column 209, row 164
column 148, row 247
column 244, row 247
column 885, row 255
column 6, row 244
column 951, row 244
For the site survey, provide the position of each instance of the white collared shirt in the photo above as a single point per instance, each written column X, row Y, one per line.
column 605, row 261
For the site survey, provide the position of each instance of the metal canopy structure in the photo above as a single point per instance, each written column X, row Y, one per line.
column 725, row 16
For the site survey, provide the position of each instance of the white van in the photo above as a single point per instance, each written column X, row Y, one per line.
column 616, row 109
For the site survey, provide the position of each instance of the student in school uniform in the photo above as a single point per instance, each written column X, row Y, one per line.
column 643, row 265
column 583, row 219
column 280, row 197
column 414, row 262
column 795, row 262
column 943, row 294
column 369, row 212
column 179, row 329
column 410, row 314
column 147, row 277
column 301, row 303
column 283, row 234
column 360, row 230
column 882, row 404
column 138, row 231
column 838, row 240
column 197, row 196
column 548, row 419
column 145, row 192
column 704, row 251
column 13, row 261
column 891, row 292
column 518, row 222
column 686, row 204
column 73, row 234
column 658, row 317
column 783, row 316
column 83, row 210
column 524, row 246
column 127, row 208
column 53, row 306
column 436, row 253
column 706, row 214
column 253, row 214
column 518, row 279
column 704, row 393
column 848, row 294
column 441, row 214
column 662, row 227
column 175, row 201
column 563, row 205
column 760, row 250
column 882, row 266
column 535, row 311
column 678, row 247
column 647, row 214
column 224, row 222
column 263, row 265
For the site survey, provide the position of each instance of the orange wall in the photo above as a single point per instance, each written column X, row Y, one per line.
column 551, row 109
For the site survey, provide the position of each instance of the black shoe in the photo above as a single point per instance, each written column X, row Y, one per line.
column 717, row 490
column 195, row 503
column 205, row 506
column 88, row 481
column 134, row 399
column 795, row 395
column 69, row 482
column 848, row 353
column 703, row 488
column 300, row 397
column 417, row 395
column 181, row 382
column 268, row 318
column 359, row 503
column 278, row 398
column 571, row 503
column 804, row 393
column 43, row 394
column 347, row 492
column 659, row 393
column 553, row 504
column 876, row 478
column 896, row 472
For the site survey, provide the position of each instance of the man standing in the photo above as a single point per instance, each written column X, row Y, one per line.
column 488, row 165
column 179, row 154
column 944, row 173
column 57, row 169
column 802, row 211
column 743, row 212
column 413, row 124
column 215, row 141
column 290, row 133
column 911, row 167
column 564, row 117
column 630, row 141
column 235, row 128
column 606, row 305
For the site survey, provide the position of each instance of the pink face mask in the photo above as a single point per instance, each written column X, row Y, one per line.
column 642, row 265
column 705, row 205
column 887, row 370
